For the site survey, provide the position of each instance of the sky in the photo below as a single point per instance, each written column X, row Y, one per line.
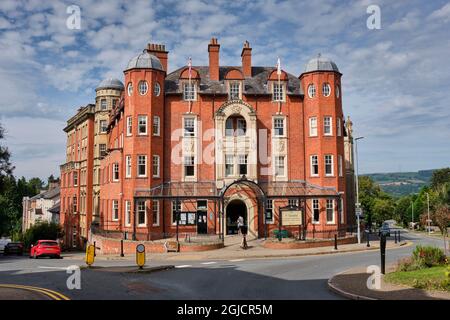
column 395, row 85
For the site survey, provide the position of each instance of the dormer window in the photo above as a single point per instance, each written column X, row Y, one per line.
column 189, row 91
column 278, row 91
column 234, row 91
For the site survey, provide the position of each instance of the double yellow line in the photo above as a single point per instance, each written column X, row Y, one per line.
column 47, row 292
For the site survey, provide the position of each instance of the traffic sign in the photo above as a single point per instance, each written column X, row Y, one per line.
column 358, row 211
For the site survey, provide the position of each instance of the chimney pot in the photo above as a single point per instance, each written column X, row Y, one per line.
column 159, row 50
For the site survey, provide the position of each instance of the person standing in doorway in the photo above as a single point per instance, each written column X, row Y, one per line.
column 240, row 224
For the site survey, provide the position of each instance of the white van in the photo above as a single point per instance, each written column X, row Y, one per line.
column 3, row 243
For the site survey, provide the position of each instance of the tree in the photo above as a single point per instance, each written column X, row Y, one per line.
column 439, row 177
column 6, row 167
column 402, row 207
column 43, row 230
column 383, row 209
column 441, row 218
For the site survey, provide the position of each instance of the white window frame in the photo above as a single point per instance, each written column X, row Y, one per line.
column 100, row 127
column 130, row 89
column 327, row 124
column 326, row 89
column 333, row 211
column 276, row 166
column 190, row 163
column 242, row 160
column 313, row 132
column 115, row 170
column 312, row 158
column 278, row 91
column 192, row 91
column 139, row 211
column 241, row 127
column 341, row 209
column 129, row 126
column 315, row 202
column 229, row 163
column 103, row 104
column 144, row 157
column 339, row 127
column 127, row 213
column 232, row 90
column 143, row 87
column 156, row 164
column 193, row 134
column 157, row 125
column 115, row 210
column 140, row 118
column 326, row 162
column 75, row 179
column 275, row 121
column 311, row 90
column 155, row 202
column 128, row 165
column 157, row 89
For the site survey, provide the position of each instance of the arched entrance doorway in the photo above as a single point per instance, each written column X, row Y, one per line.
column 235, row 209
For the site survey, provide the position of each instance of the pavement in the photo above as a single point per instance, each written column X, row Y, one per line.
column 352, row 284
column 232, row 250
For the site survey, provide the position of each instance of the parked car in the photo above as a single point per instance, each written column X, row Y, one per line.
column 385, row 229
column 14, row 248
column 3, row 243
column 45, row 248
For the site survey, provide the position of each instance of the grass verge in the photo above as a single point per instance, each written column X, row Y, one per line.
column 428, row 278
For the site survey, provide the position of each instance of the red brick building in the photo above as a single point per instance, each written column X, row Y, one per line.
column 207, row 144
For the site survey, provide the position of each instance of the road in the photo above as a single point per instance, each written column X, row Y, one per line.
column 281, row 278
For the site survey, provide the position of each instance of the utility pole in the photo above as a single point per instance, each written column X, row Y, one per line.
column 429, row 221
column 412, row 215
column 358, row 205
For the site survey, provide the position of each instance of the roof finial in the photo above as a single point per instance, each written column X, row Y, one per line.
column 319, row 55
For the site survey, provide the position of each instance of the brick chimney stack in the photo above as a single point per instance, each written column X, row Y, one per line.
column 246, row 56
column 159, row 50
column 213, row 49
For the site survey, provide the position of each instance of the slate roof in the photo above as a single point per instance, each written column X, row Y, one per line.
column 257, row 84
column 56, row 208
column 320, row 63
column 110, row 83
column 144, row 60
column 48, row 194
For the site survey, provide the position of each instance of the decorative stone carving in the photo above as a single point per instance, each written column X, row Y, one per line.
column 188, row 145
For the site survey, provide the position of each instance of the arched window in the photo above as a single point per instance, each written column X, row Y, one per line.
column 235, row 126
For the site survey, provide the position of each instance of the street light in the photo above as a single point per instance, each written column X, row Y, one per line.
column 429, row 221
column 358, row 205
column 412, row 214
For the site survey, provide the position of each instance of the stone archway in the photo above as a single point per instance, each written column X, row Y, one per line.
column 251, row 218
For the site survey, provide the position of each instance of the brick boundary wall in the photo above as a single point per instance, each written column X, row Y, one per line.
column 275, row 244
column 106, row 246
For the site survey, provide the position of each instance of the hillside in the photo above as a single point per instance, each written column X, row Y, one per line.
column 402, row 183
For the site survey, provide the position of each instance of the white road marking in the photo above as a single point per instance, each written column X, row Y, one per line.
column 211, row 262
column 236, row 260
column 57, row 268
column 184, row 266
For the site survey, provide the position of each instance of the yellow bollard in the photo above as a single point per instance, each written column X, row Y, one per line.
column 90, row 254
column 140, row 255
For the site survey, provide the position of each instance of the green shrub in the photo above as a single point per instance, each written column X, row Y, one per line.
column 42, row 231
column 428, row 256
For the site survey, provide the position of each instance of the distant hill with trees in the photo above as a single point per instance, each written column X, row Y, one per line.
column 399, row 184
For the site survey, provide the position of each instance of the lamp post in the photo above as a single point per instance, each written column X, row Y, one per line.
column 412, row 215
column 428, row 207
column 357, row 190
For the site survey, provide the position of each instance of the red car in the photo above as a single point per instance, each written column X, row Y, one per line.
column 45, row 248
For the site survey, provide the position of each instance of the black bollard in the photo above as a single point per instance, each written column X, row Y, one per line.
column 121, row 248
column 395, row 236
column 335, row 242
column 399, row 236
column 95, row 247
column 368, row 239
column 383, row 252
